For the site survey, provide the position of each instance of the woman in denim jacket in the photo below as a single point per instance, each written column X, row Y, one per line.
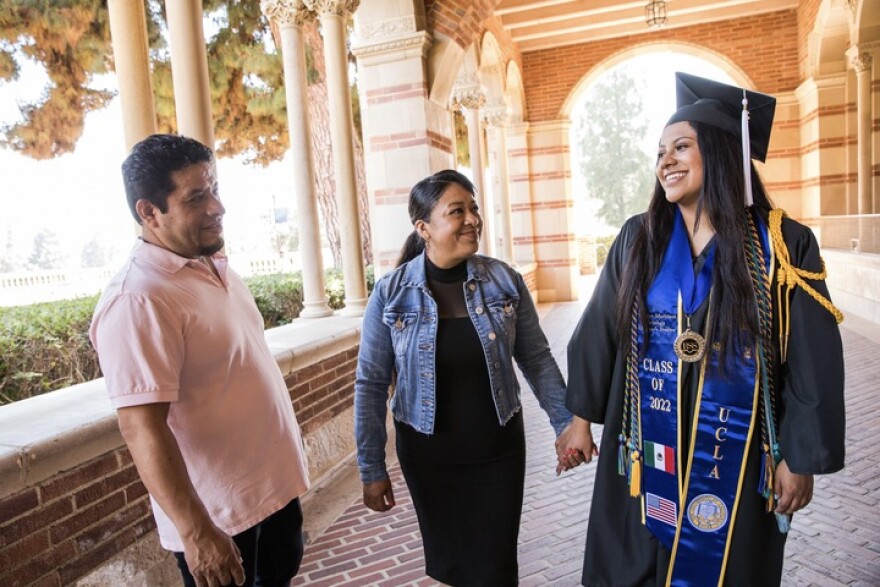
column 443, row 329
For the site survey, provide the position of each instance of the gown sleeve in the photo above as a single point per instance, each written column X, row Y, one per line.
column 812, row 419
column 593, row 348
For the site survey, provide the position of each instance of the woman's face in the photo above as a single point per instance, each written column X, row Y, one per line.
column 452, row 233
column 680, row 165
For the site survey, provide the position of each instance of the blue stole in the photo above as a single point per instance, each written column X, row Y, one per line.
column 691, row 507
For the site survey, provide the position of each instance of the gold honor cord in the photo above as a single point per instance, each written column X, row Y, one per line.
column 789, row 276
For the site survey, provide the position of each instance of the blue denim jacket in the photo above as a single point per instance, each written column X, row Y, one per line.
column 399, row 333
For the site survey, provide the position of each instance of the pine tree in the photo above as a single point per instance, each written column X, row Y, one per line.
column 618, row 173
column 46, row 253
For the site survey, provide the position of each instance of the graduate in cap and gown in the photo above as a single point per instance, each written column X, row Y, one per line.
column 710, row 352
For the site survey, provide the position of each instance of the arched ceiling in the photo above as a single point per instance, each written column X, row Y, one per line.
column 544, row 24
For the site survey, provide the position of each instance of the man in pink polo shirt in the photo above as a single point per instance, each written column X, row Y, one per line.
column 201, row 402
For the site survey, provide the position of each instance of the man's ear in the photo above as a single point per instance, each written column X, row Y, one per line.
column 147, row 211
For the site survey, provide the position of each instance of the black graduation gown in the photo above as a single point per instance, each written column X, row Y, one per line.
column 619, row 549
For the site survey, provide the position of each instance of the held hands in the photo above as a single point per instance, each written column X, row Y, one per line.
column 213, row 558
column 575, row 445
column 378, row 496
column 793, row 491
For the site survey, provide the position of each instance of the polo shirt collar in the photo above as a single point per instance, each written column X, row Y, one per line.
column 166, row 260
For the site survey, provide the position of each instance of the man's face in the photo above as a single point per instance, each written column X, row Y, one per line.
column 193, row 225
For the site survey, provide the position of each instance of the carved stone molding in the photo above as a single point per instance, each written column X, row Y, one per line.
column 371, row 31
column 495, row 115
column 420, row 40
column 286, row 11
column 332, row 7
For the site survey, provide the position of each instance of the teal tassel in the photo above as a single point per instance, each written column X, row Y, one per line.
column 621, row 456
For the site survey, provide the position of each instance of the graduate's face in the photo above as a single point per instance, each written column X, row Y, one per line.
column 680, row 165
column 452, row 233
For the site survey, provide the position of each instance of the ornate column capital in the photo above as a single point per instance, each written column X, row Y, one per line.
column 859, row 59
column 495, row 115
column 284, row 12
column 332, row 7
column 468, row 98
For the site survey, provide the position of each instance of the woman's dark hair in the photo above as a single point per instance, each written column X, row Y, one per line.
column 422, row 199
column 146, row 172
column 732, row 308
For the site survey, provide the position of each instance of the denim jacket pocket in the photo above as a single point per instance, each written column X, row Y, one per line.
column 503, row 313
column 402, row 326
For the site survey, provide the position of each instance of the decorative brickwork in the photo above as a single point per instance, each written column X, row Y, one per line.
column 460, row 20
column 551, row 75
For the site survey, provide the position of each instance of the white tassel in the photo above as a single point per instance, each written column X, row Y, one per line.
column 747, row 154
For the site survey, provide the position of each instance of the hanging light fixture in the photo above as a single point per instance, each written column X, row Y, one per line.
column 655, row 13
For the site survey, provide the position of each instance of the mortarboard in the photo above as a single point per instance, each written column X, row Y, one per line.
column 745, row 114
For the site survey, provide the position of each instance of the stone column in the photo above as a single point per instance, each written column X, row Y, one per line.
column 407, row 136
column 189, row 70
column 496, row 119
column 470, row 103
column 290, row 15
column 553, row 210
column 333, row 15
column 519, row 188
column 861, row 62
column 128, row 29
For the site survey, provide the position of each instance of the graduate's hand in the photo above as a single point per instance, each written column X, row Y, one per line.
column 378, row 496
column 793, row 491
column 575, row 445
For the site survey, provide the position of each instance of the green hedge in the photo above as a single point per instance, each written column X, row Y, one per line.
column 44, row 347
column 603, row 243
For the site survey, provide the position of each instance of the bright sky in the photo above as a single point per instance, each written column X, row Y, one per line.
column 79, row 196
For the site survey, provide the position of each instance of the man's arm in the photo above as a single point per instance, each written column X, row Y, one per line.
column 211, row 555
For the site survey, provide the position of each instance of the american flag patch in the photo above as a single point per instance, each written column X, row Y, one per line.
column 661, row 509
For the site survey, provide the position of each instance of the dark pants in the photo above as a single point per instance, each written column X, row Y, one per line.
column 271, row 551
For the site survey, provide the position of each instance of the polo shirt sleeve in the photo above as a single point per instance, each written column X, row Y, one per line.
column 140, row 346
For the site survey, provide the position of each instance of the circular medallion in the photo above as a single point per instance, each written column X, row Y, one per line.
column 690, row 346
column 707, row 513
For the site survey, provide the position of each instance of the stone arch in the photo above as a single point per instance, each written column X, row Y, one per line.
column 829, row 39
column 739, row 76
column 492, row 71
column 866, row 21
column 514, row 93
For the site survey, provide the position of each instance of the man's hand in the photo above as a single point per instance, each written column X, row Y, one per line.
column 213, row 558
column 793, row 491
column 378, row 496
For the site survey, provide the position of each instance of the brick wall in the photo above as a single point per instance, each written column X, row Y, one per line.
column 59, row 530
column 460, row 20
column 70, row 524
column 772, row 64
column 323, row 390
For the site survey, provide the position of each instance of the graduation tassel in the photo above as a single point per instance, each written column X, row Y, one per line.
column 635, row 479
column 747, row 155
column 622, row 468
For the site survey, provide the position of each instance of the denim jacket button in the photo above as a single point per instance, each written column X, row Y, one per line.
column 479, row 310
column 472, row 287
column 497, row 365
column 492, row 336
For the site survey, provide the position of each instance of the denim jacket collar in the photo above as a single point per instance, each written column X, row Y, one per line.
column 414, row 271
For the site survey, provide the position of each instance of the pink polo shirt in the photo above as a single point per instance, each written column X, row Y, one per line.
column 168, row 330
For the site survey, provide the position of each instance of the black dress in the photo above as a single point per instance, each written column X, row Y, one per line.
column 467, row 478
column 619, row 549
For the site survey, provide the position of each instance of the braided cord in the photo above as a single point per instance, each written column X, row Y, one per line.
column 629, row 424
column 761, row 287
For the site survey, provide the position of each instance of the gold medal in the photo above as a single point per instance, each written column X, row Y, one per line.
column 689, row 346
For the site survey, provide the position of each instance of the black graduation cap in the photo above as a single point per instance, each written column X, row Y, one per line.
column 720, row 105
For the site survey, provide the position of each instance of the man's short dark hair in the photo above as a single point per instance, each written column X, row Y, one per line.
column 146, row 172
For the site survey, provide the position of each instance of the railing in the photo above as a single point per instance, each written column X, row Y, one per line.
column 857, row 233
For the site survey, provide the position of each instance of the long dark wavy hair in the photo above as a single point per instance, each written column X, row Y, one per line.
column 422, row 199
column 732, row 308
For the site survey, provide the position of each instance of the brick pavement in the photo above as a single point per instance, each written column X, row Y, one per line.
column 836, row 541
